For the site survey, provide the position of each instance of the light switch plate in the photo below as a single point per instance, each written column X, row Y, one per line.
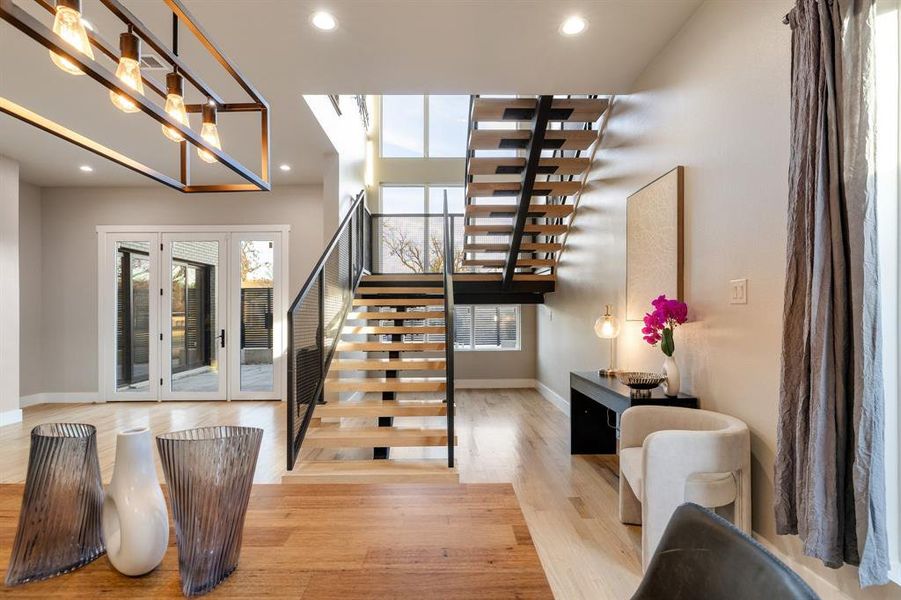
column 739, row 291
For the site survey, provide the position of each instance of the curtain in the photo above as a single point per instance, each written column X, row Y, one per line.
column 829, row 472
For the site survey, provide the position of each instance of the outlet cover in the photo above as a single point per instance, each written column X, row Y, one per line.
column 739, row 291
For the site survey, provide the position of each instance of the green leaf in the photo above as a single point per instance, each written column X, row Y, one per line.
column 667, row 344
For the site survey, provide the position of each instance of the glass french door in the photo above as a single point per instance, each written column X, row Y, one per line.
column 194, row 335
column 191, row 315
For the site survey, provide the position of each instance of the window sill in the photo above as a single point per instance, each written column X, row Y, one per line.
column 487, row 349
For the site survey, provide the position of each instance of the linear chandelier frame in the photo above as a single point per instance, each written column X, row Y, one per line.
column 43, row 35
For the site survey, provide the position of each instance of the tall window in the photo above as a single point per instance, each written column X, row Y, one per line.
column 421, row 199
column 888, row 25
column 487, row 327
column 418, row 126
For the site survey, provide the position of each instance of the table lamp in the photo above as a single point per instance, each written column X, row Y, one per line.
column 607, row 328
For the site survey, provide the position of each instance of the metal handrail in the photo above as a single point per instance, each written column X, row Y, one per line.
column 309, row 362
column 449, row 329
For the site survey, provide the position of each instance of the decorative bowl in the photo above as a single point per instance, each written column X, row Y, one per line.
column 641, row 381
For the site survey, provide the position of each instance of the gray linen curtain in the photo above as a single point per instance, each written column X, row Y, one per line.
column 830, row 487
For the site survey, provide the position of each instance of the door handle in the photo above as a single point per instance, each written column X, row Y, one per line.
column 221, row 337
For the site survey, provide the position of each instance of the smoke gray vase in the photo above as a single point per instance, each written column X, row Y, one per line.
column 209, row 473
column 59, row 523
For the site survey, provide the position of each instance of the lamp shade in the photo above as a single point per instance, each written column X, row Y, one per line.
column 607, row 326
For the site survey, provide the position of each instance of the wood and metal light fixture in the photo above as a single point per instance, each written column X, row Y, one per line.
column 71, row 48
column 607, row 328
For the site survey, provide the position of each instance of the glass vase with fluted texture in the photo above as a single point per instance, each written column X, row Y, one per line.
column 59, row 523
column 209, row 473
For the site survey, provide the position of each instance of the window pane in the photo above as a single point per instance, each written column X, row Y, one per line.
column 194, row 361
column 463, row 327
column 489, row 327
column 402, row 126
column 132, row 316
column 257, row 266
column 448, row 123
column 455, row 201
column 402, row 200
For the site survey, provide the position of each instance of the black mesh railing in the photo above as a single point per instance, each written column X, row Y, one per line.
column 317, row 315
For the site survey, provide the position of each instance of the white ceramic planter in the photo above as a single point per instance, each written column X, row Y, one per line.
column 671, row 370
column 135, row 521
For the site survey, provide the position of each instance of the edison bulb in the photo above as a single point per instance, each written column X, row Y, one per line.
column 210, row 133
column 129, row 73
column 175, row 107
column 67, row 25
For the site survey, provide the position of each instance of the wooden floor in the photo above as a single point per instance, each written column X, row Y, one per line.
column 505, row 436
column 315, row 542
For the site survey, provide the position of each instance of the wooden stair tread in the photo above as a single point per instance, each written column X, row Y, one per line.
column 523, row 109
column 381, row 408
column 499, row 262
column 483, row 189
column 390, row 364
column 394, row 290
column 398, row 302
column 394, row 315
column 389, row 329
column 497, row 277
column 387, row 384
column 373, row 471
column 507, row 210
column 374, row 437
column 390, row 346
column 524, row 247
column 483, row 165
column 507, row 139
column 540, row 229
column 392, row 277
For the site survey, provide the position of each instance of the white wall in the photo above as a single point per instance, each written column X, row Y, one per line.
column 715, row 100
column 31, row 297
column 69, row 251
column 9, row 292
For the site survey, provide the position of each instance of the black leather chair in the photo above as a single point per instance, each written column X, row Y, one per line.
column 702, row 556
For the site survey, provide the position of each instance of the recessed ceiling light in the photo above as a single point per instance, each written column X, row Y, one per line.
column 86, row 169
column 285, row 168
column 324, row 21
column 573, row 25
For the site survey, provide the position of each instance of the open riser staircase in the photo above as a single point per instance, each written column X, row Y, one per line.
column 520, row 207
column 383, row 411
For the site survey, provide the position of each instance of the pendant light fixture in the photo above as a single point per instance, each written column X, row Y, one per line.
column 67, row 25
column 175, row 105
column 209, row 132
column 128, row 72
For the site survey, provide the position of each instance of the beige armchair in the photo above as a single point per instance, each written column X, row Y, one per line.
column 671, row 455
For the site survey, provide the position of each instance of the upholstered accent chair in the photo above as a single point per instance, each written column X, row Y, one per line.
column 669, row 456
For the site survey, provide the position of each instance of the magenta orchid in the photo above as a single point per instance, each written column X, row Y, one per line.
column 660, row 323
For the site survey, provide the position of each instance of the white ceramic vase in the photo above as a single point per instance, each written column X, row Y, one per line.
column 671, row 371
column 135, row 521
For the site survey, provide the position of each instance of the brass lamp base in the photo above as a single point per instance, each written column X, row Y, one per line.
column 607, row 372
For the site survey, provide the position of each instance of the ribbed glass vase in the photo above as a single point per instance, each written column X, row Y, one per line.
column 59, row 524
column 209, row 472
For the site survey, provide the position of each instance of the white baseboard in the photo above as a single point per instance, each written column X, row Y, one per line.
column 485, row 384
column 553, row 397
column 11, row 417
column 824, row 588
column 59, row 398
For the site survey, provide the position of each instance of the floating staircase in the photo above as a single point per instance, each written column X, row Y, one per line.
column 391, row 398
column 518, row 207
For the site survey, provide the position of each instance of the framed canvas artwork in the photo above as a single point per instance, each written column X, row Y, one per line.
column 654, row 243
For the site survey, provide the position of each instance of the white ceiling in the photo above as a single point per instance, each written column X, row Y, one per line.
column 380, row 46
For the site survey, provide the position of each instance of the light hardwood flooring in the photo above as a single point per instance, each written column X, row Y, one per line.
column 504, row 436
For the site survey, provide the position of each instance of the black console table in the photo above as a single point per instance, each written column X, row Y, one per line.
column 596, row 404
